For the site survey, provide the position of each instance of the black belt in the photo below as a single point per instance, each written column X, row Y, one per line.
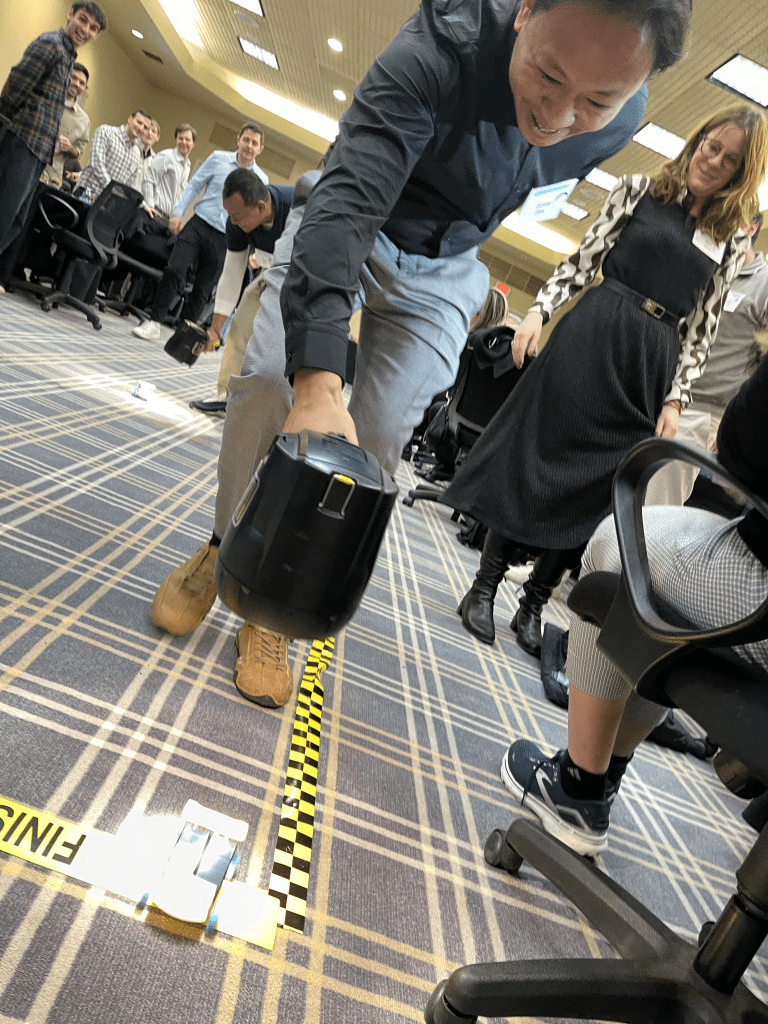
column 654, row 309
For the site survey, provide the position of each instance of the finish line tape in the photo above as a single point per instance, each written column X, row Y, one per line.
column 289, row 883
column 131, row 862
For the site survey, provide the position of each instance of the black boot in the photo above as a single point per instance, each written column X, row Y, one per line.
column 537, row 590
column 476, row 608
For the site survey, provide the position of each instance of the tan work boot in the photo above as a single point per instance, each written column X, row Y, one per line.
column 262, row 673
column 186, row 596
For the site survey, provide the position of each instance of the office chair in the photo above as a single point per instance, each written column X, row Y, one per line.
column 487, row 374
column 52, row 213
column 661, row 977
column 111, row 211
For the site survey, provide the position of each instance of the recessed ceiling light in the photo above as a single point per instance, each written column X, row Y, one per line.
column 265, row 56
column 575, row 212
column 335, row 45
column 137, row 33
column 744, row 77
column 340, row 96
column 250, row 5
column 310, row 120
column 602, row 179
column 652, row 136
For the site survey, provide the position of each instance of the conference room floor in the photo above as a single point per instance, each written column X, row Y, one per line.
column 105, row 719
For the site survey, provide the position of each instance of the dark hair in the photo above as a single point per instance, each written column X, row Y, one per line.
column 185, row 128
column 735, row 204
column 143, row 114
column 251, row 126
column 82, row 69
column 667, row 20
column 248, row 184
column 93, row 9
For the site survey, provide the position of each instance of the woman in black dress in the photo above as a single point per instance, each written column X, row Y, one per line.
column 617, row 368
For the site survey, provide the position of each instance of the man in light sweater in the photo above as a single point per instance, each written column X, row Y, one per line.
column 732, row 358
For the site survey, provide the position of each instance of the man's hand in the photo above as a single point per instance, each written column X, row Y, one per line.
column 527, row 337
column 65, row 145
column 666, row 425
column 213, row 342
column 152, row 211
column 175, row 225
column 318, row 405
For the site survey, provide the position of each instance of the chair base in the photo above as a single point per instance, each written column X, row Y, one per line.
column 55, row 299
column 123, row 308
column 655, row 983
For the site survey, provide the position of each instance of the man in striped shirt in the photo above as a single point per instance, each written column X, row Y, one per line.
column 33, row 101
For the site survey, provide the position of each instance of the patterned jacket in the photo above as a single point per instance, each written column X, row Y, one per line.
column 578, row 271
column 34, row 93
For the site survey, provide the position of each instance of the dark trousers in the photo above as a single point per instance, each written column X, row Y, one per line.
column 20, row 172
column 202, row 249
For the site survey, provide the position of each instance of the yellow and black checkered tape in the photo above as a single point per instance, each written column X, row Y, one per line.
column 289, row 883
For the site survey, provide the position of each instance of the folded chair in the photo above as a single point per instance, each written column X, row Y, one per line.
column 659, row 978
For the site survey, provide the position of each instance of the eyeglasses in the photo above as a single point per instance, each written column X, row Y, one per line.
column 712, row 150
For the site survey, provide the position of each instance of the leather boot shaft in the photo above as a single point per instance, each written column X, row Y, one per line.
column 537, row 590
column 476, row 608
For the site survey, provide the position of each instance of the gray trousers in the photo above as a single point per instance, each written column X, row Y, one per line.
column 414, row 325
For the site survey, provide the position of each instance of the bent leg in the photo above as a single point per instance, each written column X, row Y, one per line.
column 414, row 327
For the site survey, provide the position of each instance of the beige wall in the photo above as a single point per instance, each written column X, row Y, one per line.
column 117, row 85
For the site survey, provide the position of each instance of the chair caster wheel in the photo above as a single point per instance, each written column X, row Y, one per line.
column 45, row 307
column 704, row 931
column 498, row 853
column 97, row 327
column 407, row 500
column 438, row 1012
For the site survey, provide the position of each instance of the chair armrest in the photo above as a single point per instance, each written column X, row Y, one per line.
column 48, row 197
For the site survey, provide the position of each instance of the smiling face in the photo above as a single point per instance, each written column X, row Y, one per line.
column 573, row 69
column 184, row 142
column 81, row 27
column 246, row 217
column 77, row 84
column 139, row 125
column 716, row 160
column 249, row 145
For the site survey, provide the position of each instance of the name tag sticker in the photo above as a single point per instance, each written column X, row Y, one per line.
column 545, row 203
column 732, row 301
column 706, row 244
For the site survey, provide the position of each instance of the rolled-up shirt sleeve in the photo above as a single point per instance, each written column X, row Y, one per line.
column 381, row 137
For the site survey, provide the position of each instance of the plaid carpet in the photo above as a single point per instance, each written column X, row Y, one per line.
column 101, row 714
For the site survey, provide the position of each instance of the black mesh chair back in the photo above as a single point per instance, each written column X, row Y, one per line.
column 659, row 976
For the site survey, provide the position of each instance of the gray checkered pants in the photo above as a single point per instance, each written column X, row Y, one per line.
column 699, row 565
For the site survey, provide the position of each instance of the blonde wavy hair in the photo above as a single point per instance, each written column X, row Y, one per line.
column 733, row 206
column 493, row 312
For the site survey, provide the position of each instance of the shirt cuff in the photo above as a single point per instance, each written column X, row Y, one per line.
column 316, row 347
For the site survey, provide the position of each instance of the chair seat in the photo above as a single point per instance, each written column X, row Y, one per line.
column 77, row 245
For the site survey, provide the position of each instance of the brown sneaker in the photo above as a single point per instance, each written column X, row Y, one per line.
column 186, row 596
column 262, row 673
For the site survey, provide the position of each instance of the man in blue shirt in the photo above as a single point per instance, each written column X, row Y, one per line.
column 201, row 243
column 473, row 106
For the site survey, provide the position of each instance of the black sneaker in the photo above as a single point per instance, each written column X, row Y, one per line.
column 535, row 780
column 211, row 408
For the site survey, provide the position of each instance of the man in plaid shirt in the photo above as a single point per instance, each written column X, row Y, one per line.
column 33, row 101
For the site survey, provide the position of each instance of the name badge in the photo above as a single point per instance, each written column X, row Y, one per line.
column 545, row 203
column 706, row 244
column 732, row 301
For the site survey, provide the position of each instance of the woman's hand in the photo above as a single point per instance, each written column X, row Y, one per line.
column 666, row 425
column 527, row 337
